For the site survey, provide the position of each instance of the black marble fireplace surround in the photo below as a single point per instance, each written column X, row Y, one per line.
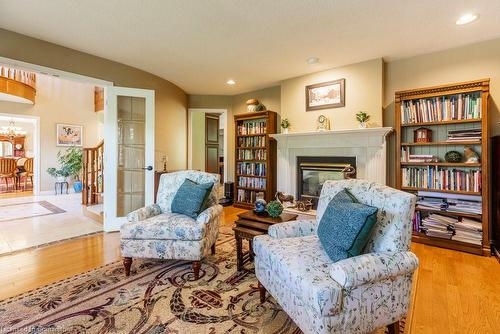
column 313, row 171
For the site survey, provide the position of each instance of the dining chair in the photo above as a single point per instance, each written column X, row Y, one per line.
column 8, row 169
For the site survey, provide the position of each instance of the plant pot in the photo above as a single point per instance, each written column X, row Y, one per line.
column 285, row 130
column 61, row 179
column 362, row 125
column 78, row 186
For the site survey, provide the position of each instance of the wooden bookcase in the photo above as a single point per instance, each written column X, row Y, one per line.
column 439, row 146
column 252, row 143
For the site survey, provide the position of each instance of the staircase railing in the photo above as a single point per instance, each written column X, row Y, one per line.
column 93, row 183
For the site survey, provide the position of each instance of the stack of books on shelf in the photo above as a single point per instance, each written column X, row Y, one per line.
column 249, row 154
column 442, row 108
column 468, row 230
column 252, row 128
column 407, row 157
column 453, row 203
column 251, row 168
column 248, row 196
column 441, row 178
column 252, row 182
column 438, row 226
column 464, row 135
column 259, row 141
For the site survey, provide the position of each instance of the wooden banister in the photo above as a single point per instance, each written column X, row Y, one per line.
column 18, row 83
column 93, row 181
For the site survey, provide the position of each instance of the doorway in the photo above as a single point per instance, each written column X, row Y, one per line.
column 208, row 141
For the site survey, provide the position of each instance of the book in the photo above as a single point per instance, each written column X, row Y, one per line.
column 442, row 178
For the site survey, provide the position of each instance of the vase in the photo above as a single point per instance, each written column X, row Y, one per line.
column 362, row 125
column 78, row 186
column 285, row 130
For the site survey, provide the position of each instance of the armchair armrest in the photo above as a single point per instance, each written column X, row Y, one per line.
column 373, row 267
column 210, row 213
column 298, row 228
column 144, row 213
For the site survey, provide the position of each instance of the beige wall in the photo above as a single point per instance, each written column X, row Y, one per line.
column 471, row 62
column 171, row 101
column 363, row 92
column 58, row 101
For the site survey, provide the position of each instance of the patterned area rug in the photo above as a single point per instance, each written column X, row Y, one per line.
column 158, row 297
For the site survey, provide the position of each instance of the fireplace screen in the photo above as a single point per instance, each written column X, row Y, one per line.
column 314, row 171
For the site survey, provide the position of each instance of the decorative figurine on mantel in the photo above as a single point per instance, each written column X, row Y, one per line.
column 362, row 118
column 255, row 105
column 285, row 124
column 283, row 198
column 304, row 205
column 471, row 157
column 323, row 123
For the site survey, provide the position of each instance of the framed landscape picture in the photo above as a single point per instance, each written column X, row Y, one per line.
column 325, row 95
column 69, row 135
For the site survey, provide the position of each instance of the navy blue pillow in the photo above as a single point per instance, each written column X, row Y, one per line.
column 191, row 198
column 345, row 226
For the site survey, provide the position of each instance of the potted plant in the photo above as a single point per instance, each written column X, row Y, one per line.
column 71, row 165
column 285, row 124
column 362, row 118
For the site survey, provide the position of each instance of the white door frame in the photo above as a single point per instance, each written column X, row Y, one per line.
column 226, row 139
column 111, row 221
column 35, row 120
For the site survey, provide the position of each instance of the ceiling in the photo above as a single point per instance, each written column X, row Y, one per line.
column 200, row 44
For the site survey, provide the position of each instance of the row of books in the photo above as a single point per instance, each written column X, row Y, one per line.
column 406, row 156
column 451, row 228
column 252, row 128
column 449, row 205
column 442, row 108
column 251, row 168
column 464, row 135
column 259, row 141
column 252, row 182
column 247, row 154
column 442, row 178
column 248, row 196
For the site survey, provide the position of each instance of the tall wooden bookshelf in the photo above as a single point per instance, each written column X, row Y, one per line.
column 405, row 126
column 255, row 157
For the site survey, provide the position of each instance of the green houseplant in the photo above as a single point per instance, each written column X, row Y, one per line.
column 71, row 162
column 285, row 124
column 362, row 118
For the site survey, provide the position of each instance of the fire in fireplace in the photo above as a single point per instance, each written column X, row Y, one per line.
column 312, row 172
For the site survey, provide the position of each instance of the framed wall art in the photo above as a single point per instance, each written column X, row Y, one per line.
column 325, row 95
column 69, row 135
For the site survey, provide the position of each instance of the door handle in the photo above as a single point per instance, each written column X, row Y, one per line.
column 148, row 168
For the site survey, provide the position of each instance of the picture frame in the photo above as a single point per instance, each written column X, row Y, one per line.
column 69, row 135
column 325, row 95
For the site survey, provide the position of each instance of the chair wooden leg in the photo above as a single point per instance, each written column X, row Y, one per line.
column 262, row 293
column 213, row 249
column 196, row 269
column 393, row 328
column 127, row 263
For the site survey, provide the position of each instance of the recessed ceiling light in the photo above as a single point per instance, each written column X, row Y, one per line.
column 467, row 18
column 231, row 82
column 312, row 60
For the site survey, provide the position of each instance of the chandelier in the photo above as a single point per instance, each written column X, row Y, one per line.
column 12, row 131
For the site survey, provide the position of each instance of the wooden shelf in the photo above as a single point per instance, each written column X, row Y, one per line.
column 451, row 213
column 441, row 164
column 446, row 243
column 438, row 143
column 249, row 175
column 442, row 191
column 455, row 121
column 270, row 118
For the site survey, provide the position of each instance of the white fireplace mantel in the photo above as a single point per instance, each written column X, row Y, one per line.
column 367, row 145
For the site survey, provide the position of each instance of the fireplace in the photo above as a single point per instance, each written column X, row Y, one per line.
column 312, row 172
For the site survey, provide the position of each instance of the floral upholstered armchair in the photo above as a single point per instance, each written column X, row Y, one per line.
column 355, row 295
column 155, row 232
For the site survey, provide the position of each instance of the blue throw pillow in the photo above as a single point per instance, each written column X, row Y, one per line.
column 191, row 198
column 345, row 226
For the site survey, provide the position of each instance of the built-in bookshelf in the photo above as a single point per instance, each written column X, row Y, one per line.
column 453, row 196
column 255, row 157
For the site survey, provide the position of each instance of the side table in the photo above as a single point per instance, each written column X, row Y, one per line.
column 249, row 225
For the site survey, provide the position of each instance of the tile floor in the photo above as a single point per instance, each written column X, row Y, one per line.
column 31, row 221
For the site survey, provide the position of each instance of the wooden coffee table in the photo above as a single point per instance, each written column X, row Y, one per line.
column 248, row 226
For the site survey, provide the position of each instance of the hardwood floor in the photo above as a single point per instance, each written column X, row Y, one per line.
column 456, row 292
